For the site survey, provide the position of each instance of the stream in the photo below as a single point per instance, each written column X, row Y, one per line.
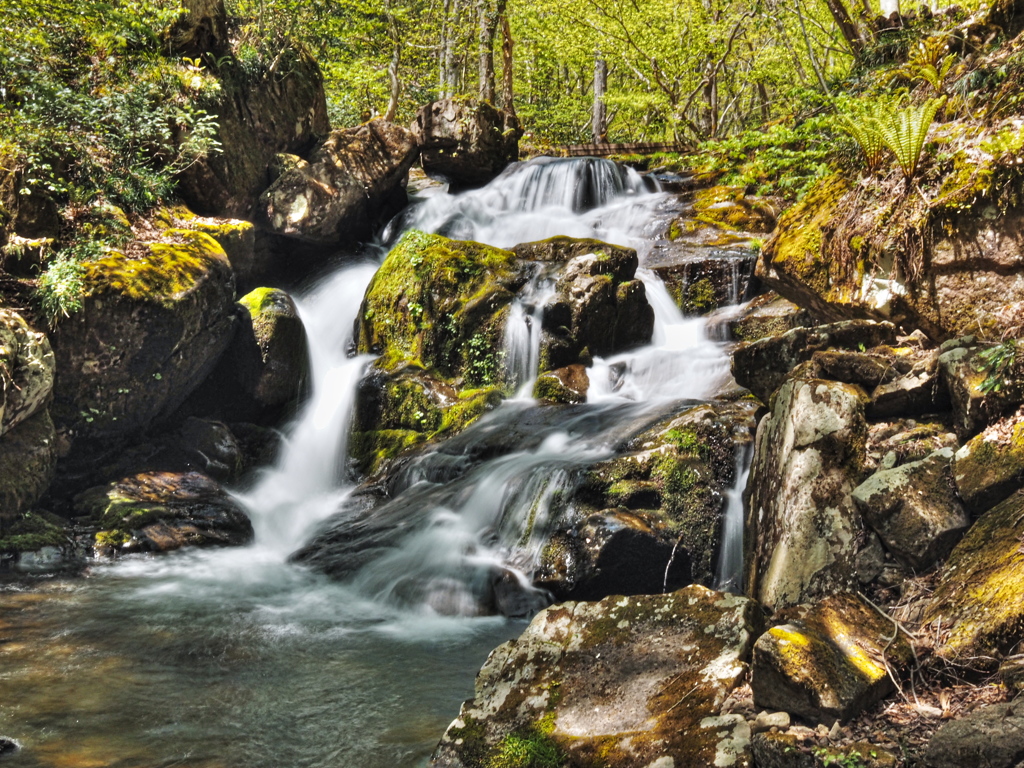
column 242, row 658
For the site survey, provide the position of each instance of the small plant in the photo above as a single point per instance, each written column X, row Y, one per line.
column 884, row 124
column 534, row 750
column 61, row 289
column 996, row 363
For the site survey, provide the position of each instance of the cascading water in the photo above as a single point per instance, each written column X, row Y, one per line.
column 729, row 573
column 523, row 334
column 242, row 659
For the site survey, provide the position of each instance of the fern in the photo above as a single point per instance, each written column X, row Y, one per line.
column 904, row 131
column 864, row 128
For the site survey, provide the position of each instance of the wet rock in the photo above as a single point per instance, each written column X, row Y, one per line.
column 978, row 608
column 353, row 182
column 151, row 329
column 991, row 736
column 26, row 370
column 830, row 660
column 802, row 526
column 468, row 143
column 678, row 472
column 990, row 466
column 768, row 315
column 28, row 456
column 614, row 553
column 161, row 511
column 914, row 509
column 702, row 285
column 600, row 684
column 761, row 366
column 564, row 385
column 966, row 374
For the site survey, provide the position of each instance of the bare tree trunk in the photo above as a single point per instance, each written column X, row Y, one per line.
column 810, row 51
column 507, row 62
column 396, row 84
column 488, row 16
column 847, row 26
column 599, row 122
column 445, row 53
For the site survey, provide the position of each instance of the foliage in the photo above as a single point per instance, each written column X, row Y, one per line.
column 996, row 363
column 891, row 123
column 531, row 750
column 90, row 109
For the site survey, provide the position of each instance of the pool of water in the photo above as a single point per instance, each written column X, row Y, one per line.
column 229, row 660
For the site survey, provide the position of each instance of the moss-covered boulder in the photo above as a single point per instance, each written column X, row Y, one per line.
column 829, row 661
column 802, row 526
column 914, row 509
column 763, row 365
column 161, row 511
column 977, row 611
column 465, row 142
column 990, row 466
column 616, row 552
column 154, row 323
column 235, row 236
column 351, row 183
column 624, row 682
column 435, row 314
column 26, row 370
column 676, row 474
column 281, row 338
column 32, row 533
column 564, row 385
column 28, row 455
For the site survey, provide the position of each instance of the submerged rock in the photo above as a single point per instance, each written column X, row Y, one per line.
column 161, row 511
column 353, row 182
column 620, row 683
column 151, row 329
column 914, row 509
column 802, row 527
column 829, row 661
column 468, row 143
column 978, row 608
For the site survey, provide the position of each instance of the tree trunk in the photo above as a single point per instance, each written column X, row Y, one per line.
column 488, row 17
column 599, row 122
column 396, row 84
column 507, row 93
column 847, row 26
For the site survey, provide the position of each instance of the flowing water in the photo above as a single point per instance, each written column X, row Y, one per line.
column 243, row 658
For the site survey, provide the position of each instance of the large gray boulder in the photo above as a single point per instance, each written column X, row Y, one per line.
column 28, row 455
column 624, row 682
column 353, row 182
column 802, row 526
column 466, row 142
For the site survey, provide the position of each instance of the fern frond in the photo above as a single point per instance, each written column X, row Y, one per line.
column 904, row 132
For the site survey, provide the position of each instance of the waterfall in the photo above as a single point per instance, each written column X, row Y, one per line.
column 306, row 483
column 729, row 573
column 523, row 333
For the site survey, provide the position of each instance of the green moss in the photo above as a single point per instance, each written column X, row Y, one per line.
column 168, row 270
column 32, row 532
column 112, row 539
column 700, row 297
column 527, row 749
